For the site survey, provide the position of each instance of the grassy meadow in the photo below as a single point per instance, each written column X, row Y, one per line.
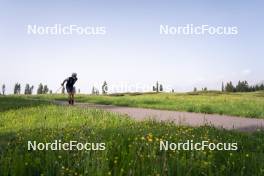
column 132, row 147
column 212, row 102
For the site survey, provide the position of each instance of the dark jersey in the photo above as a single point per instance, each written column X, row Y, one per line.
column 71, row 81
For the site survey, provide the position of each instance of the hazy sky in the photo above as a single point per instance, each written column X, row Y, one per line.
column 132, row 52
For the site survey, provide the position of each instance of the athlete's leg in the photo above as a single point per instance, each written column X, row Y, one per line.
column 69, row 97
column 72, row 98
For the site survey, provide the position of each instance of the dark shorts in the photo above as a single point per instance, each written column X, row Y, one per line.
column 70, row 89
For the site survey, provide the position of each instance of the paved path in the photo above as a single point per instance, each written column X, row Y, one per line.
column 183, row 118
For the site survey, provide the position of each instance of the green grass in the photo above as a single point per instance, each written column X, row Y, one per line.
column 132, row 148
column 16, row 102
column 237, row 104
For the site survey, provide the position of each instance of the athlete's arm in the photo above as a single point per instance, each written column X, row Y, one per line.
column 62, row 84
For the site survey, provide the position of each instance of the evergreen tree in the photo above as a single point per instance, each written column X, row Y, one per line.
column 40, row 89
column 27, row 89
column 229, row 87
column 104, row 88
column 160, row 88
column 45, row 89
column 3, row 89
column 31, row 90
column 257, row 88
column 242, row 86
column 252, row 89
column 17, row 88
column 157, row 86
column 261, row 87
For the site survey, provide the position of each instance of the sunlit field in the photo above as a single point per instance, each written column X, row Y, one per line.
column 237, row 104
column 132, row 147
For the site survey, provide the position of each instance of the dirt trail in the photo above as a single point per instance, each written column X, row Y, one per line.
column 183, row 118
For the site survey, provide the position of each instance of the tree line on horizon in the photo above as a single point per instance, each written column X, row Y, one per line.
column 158, row 87
column 42, row 89
column 241, row 86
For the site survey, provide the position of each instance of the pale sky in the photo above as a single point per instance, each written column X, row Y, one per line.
column 132, row 52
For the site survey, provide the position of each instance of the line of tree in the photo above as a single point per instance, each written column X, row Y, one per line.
column 42, row 89
column 158, row 87
column 95, row 91
column 17, row 88
column 204, row 89
column 28, row 89
column 242, row 86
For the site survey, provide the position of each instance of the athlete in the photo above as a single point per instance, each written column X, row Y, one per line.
column 70, row 87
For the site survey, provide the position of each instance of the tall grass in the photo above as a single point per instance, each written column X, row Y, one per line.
column 132, row 148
